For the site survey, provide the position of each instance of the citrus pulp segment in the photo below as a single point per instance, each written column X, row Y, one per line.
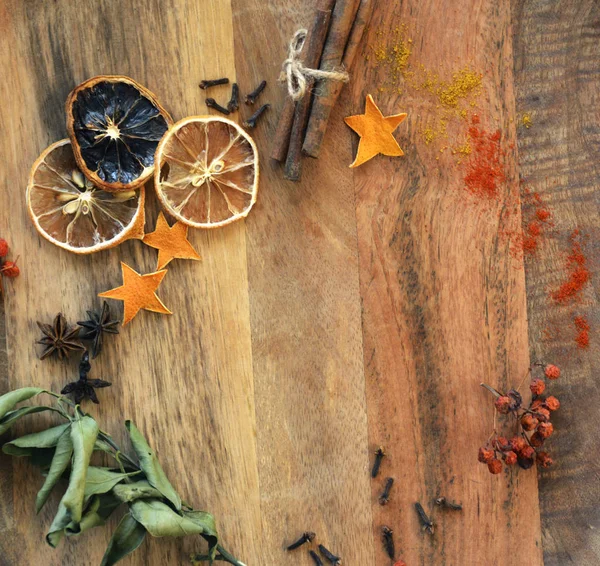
column 206, row 171
column 115, row 125
column 71, row 212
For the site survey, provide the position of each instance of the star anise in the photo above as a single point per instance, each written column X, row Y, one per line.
column 94, row 328
column 59, row 337
column 84, row 388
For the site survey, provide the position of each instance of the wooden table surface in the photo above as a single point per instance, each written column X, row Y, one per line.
column 356, row 308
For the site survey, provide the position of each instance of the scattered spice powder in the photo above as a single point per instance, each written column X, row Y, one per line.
column 583, row 332
column 537, row 218
column 485, row 170
column 526, row 120
column 465, row 84
column 579, row 274
column 451, row 98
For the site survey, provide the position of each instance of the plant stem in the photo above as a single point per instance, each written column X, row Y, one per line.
column 119, row 454
column 205, row 558
column 228, row 557
column 493, row 391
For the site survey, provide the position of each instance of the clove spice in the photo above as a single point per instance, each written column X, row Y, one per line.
column 234, row 101
column 251, row 122
column 379, row 454
column 387, row 536
column 251, row 98
column 443, row 502
column 315, row 557
column 335, row 560
column 426, row 522
column 384, row 498
column 308, row 536
column 213, row 82
column 212, row 103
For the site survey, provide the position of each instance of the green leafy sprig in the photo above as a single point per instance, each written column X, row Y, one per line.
column 94, row 493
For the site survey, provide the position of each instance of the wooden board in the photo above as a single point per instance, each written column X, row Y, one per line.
column 556, row 71
column 443, row 302
column 350, row 310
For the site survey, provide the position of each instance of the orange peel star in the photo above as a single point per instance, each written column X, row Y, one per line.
column 375, row 131
column 138, row 292
column 170, row 241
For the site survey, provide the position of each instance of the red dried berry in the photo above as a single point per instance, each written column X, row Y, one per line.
column 545, row 429
column 10, row 269
column 515, row 399
column 544, row 460
column 536, row 404
column 537, row 386
column 525, row 458
column 400, row 563
column 494, row 466
column 536, row 439
column 528, row 422
column 510, row 458
column 517, row 443
column 502, row 444
column 527, row 452
column 551, row 403
column 552, row 371
column 3, row 247
column 503, row 404
column 542, row 414
column 485, row 455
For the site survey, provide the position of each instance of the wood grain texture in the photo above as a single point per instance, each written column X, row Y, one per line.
column 443, row 303
column 306, row 321
column 557, row 83
column 186, row 379
column 349, row 310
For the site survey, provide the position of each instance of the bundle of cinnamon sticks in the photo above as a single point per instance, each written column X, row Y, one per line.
column 332, row 43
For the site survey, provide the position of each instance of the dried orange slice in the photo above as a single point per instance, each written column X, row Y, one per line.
column 71, row 212
column 115, row 125
column 206, row 172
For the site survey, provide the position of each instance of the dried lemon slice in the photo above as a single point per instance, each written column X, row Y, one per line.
column 115, row 125
column 206, row 171
column 71, row 212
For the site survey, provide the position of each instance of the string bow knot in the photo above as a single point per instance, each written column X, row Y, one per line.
column 296, row 74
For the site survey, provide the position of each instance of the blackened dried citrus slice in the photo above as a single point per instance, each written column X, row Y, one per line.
column 71, row 212
column 207, row 172
column 115, row 125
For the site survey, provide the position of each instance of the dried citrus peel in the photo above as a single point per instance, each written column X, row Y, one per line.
column 170, row 241
column 138, row 292
column 375, row 131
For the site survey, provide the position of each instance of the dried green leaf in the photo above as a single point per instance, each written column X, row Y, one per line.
column 127, row 492
column 150, row 465
column 83, row 436
column 127, row 538
column 103, row 446
column 97, row 510
column 161, row 521
column 101, row 480
column 60, row 462
column 12, row 417
column 58, row 526
column 10, row 399
column 23, row 445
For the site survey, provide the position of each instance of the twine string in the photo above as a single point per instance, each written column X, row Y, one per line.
column 295, row 74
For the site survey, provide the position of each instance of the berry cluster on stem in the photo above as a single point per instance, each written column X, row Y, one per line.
column 532, row 422
column 7, row 268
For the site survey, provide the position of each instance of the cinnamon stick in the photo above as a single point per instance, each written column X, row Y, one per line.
column 293, row 164
column 281, row 141
column 330, row 90
column 284, row 126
